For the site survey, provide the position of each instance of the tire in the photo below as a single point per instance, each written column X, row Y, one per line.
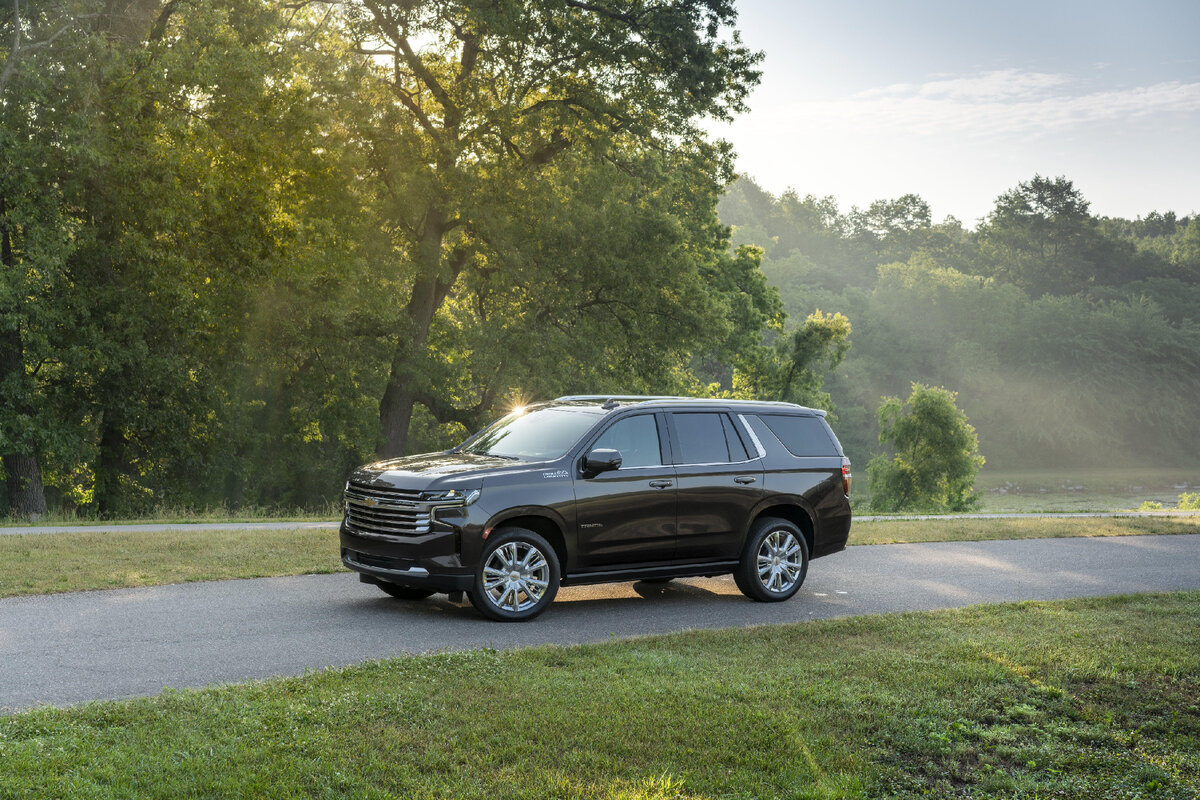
column 497, row 593
column 774, row 561
column 405, row 592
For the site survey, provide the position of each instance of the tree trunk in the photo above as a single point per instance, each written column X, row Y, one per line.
column 26, row 494
column 24, row 476
column 110, row 465
column 429, row 291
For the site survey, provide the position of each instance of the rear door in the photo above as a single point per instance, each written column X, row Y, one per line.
column 720, row 480
column 627, row 516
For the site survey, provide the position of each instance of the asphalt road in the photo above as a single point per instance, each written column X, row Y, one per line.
column 69, row 648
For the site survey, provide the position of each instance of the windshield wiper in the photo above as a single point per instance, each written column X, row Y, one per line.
column 493, row 455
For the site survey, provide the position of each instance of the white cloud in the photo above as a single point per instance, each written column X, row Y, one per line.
column 1006, row 102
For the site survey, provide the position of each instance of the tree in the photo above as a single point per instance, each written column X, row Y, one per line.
column 477, row 102
column 793, row 370
column 36, row 237
column 936, row 454
column 1041, row 237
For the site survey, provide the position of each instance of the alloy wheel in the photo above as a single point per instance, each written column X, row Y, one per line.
column 516, row 576
column 780, row 561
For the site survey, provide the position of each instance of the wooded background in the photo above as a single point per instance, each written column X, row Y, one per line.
column 249, row 245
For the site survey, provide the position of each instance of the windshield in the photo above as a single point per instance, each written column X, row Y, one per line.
column 541, row 434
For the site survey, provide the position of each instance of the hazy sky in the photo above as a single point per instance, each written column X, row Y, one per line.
column 958, row 101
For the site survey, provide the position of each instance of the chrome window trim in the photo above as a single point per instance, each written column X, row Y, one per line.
column 762, row 453
column 635, row 469
column 719, row 463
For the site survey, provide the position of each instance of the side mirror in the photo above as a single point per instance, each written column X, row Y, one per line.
column 602, row 460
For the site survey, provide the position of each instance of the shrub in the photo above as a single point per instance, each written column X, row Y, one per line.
column 936, row 454
column 1189, row 501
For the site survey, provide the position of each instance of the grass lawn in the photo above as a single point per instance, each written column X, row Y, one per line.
column 71, row 562
column 1078, row 699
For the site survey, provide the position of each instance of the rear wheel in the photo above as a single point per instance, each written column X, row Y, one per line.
column 774, row 562
column 405, row 592
column 517, row 576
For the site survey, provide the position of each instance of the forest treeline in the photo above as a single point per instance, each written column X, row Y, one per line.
column 246, row 245
column 1071, row 339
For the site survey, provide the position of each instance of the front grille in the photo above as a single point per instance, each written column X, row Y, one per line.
column 384, row 492
column 387, row 512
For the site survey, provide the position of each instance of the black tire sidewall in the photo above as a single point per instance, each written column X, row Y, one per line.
column 747, row 577
column 498, row 539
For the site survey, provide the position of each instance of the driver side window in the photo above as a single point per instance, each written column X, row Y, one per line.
column 637, row 440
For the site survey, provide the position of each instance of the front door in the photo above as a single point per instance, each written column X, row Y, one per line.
column 626, row 516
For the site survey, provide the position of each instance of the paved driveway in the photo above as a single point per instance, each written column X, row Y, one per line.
column 70, row 648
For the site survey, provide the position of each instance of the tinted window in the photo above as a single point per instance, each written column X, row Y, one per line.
column 737, row 449
column 636, row 438
column 802, row 436
column 702, row 439
column 540, row 434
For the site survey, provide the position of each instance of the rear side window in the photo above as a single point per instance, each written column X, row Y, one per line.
column 707, row 439
column 802, row 436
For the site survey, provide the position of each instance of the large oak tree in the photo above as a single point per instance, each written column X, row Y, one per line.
column 479, row 100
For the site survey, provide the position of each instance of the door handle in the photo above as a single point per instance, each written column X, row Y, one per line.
column 660, row 484
column 744, row 479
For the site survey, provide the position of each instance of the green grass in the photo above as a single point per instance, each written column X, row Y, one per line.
column 1079, row 699
column 72, row 562
column 952, row 529
column 166, row 514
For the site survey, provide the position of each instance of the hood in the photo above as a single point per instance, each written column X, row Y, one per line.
column 418, row 472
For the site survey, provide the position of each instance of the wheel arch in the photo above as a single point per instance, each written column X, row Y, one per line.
column 543, row 522
column 789, row 510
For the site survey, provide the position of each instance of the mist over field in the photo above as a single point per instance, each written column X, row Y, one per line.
column 1072, row 341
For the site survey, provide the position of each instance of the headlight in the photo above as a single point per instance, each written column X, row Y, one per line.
column 452, row 495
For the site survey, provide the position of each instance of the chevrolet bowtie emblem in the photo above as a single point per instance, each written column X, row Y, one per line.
column 371, row 501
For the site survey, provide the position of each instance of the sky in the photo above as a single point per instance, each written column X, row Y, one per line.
column 960, row 100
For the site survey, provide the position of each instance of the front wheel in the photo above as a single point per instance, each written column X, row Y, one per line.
column 774, row 562
column 517, row 576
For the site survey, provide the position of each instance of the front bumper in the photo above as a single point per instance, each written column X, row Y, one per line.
column 432, row 561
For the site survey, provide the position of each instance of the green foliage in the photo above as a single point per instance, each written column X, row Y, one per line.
column 1189, row 501
column 235, row 242
column 541, row 176
column 794, row 369
column 936, row 454
column 1084, row 368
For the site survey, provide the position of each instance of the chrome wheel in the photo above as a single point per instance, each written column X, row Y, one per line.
column 516, row 576
column 780, row 561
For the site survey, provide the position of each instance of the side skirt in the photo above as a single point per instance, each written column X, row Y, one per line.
column 707, row 570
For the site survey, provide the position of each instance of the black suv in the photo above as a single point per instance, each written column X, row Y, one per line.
column 599, row 489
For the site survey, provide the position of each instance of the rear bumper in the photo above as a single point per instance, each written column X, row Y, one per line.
column 832, row 535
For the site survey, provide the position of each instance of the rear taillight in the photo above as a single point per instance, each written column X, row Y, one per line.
column 846, row 476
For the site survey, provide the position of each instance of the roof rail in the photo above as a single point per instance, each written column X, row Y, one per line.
column 615, row 398
column 569, row 397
